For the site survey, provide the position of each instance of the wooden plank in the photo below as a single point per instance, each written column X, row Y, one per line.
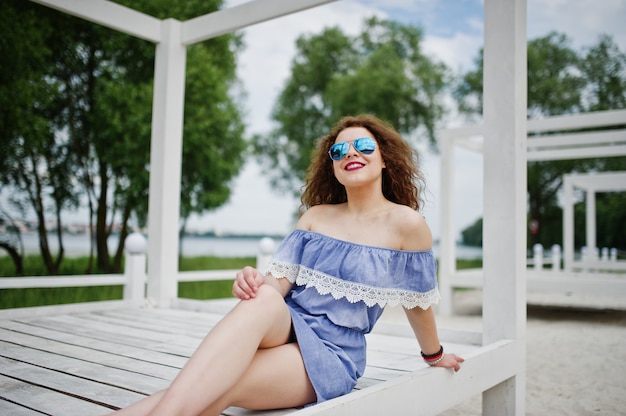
column 102, row 394
column 35, row 311
column 239, row 411
column 112, row 15
column 196, row 326
column 157, row 327
column 44, row 400
column 374, row 375
column 133, row 324
column 95, row 344
column 394, row 361
column 152, row 340
column 92, row 371
column 365, row 382
column 89, row 355
column 15, row 409
column 183, row 317
column 249, row 13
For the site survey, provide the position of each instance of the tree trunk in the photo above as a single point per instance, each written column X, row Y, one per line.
column 15, row 256
column 102, row 232
column 119, row 254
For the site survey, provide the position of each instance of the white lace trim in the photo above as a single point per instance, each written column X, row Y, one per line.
column 353, row 292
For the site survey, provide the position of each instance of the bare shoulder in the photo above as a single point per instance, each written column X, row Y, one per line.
column 314, row 215
column 412, row 229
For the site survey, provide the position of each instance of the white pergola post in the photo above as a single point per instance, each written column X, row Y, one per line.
column 568, row 223
column 504, row 237
column 165, row 162
column 590, row 222
column 447, row 256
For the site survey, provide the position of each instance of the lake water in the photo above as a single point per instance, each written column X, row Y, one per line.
column 78, row 245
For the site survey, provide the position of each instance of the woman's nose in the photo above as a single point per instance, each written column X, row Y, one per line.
column 351, row 149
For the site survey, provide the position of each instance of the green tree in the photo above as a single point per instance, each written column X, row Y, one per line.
column 35, row 151
column 382, row 71
column 98, row 114
column 473, row 235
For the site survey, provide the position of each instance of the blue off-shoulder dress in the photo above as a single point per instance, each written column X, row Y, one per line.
column 340, row 290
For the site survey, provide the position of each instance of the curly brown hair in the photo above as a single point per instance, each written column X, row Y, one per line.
column 403, row 181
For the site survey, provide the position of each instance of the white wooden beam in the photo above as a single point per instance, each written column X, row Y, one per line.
column 111, row 15
column 577, row 153
column 610, row 143
column 600, row 181
column 576, row 121
column 428, row 391
column 165, row 165
column 553, row 123
column 595, row 138
column 504, row 236
column 238, row 17
column 559, row 146
column 72, row 281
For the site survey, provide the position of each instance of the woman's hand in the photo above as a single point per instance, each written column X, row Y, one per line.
column 247, row 282
column 450, row 360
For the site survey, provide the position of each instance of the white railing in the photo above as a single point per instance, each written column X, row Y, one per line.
column 134, row 278
column 596, row 260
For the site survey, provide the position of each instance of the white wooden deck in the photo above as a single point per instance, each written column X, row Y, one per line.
column 89, row 360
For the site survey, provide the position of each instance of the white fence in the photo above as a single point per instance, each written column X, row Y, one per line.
column 134, row 277
column 596, row 260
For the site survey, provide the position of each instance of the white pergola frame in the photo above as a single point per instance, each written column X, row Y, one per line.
column 591, row 183
column 540, row 147
column 499, row 371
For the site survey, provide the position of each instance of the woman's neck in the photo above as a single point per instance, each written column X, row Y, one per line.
column 365, row 201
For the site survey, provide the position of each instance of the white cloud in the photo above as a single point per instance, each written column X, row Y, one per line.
column 458, row 51
column 253, row 208
column 581, row 20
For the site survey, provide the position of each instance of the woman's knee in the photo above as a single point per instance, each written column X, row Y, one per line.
column 266, row 293
column 268, row 313
column 268, row 301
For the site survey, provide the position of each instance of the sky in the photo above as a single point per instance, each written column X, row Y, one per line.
column 453, row 34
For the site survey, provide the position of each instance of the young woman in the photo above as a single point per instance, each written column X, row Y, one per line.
column 297, row 336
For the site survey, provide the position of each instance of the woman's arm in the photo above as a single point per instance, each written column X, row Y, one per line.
column 425, row 329
column 248, row 280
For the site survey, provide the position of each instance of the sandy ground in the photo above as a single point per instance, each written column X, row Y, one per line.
column 576, row 354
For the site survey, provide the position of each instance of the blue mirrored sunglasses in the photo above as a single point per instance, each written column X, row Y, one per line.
column 365, row 145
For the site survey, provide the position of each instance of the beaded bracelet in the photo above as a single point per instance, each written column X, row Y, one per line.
column 435, row 356
column 435, row 362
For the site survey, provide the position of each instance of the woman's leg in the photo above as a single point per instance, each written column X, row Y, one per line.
column 275, row 379
column 223, row 357
column 142, row 407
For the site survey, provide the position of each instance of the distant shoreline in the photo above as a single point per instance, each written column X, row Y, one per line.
column 194, row 245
